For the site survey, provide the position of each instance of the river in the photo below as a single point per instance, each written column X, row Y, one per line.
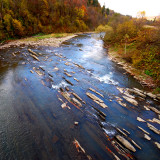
column 40, row 118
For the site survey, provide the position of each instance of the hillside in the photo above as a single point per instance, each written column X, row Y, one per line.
column 19, row 18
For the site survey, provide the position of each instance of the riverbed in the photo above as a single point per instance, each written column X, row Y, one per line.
column 47, row 110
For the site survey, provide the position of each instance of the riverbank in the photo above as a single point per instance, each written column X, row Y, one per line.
column 40, row 40
column 145, row 80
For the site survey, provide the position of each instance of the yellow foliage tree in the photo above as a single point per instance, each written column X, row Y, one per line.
column 18, row 28
column 8, row 22
column 141, row 14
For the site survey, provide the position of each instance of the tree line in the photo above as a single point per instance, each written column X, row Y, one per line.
column 20, row 18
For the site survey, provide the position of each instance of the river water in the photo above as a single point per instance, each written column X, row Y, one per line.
column 34, row 125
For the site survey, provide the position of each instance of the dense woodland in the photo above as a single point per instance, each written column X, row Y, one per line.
column 28, row 17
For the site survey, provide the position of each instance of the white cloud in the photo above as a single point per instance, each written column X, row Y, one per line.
column 126, row 7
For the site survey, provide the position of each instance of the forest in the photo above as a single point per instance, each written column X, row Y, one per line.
column 19, row 18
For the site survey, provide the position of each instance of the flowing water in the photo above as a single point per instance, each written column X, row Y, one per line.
column 34, row 125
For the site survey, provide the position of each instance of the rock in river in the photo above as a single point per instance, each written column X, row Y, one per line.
column 126, row 143
column 151, row 127
column 147, row 137
column 157, row 144
column 96, row 99
column 140, row 119
column 134, row 102
column 143, row 130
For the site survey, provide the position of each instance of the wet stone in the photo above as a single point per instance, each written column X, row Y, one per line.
column 125, row 143
column 140, row 119
column 143, row 130
column 130, row 100
column 147, row 137
column 154, row 129
column 157, row 144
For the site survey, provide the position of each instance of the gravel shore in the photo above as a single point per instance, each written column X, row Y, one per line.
column 55, row 42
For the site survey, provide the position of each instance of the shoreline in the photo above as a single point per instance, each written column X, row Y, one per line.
column 144, row 80
column 32, row 41
column 54, row 40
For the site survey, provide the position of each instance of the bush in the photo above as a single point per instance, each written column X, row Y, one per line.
column 109, row 33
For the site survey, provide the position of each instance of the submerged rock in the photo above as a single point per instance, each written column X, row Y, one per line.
column 126, row 143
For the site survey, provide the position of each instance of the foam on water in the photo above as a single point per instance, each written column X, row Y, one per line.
column 62, row 84
column 109, row 132
column 106, row 79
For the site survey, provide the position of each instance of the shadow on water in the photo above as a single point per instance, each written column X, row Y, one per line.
column 46, row 114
